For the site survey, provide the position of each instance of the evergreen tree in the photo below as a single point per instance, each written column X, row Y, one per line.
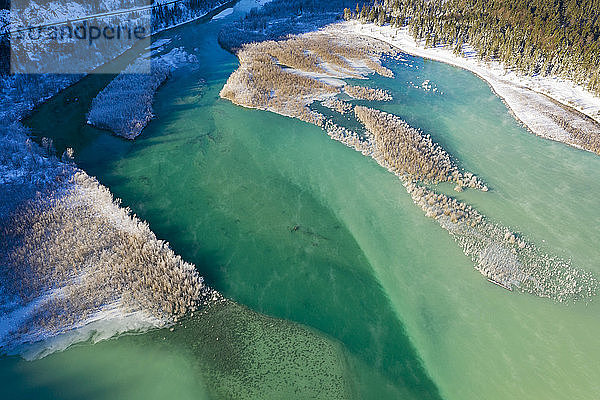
column 560, row 37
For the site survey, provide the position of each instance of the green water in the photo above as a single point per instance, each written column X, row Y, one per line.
column 371, row 299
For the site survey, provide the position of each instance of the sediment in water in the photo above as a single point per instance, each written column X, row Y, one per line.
column 252, row 356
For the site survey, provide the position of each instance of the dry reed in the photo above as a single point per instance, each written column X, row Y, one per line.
column 409, row 153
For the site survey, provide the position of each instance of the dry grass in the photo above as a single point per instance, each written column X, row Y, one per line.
column 583, row 131
column 338, row 105
column 124, row 106
column 367, row 93
column 287, row 76
column 349, row 138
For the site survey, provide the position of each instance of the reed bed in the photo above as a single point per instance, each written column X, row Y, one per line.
column 287, row 76
column 73, row 255
column 125, row 105
column 349, row 138
column 338, row 105
column 376, row 66
column 502, row 255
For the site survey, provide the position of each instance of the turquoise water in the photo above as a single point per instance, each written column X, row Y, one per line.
column 371, row 299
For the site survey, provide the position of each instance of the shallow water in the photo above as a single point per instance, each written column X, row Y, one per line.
column 295, row 226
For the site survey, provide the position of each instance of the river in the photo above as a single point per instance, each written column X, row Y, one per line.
column 339, row 286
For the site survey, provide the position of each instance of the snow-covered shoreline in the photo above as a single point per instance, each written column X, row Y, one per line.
column 550, row 107
column 20, row 95
column 127, row 118
column 71, row 298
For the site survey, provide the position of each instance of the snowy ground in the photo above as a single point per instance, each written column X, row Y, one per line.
column 125, row 105
column 26, row 169
column 546, row 105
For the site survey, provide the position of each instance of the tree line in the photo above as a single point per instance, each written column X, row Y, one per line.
column 277, row 19
column 546, row 37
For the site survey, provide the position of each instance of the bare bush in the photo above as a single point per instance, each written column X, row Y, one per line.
column 124, row 106
column 367, row 93
column 338, row 105
column 501, row 255
column 349, row 138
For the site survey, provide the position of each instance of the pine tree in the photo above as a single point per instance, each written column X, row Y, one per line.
column 559, row 37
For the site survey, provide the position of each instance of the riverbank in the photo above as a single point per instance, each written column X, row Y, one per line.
column 21, row 94
column 549, row 107
column 77, row 275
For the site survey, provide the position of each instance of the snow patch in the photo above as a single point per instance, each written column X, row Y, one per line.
column 532, row 99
